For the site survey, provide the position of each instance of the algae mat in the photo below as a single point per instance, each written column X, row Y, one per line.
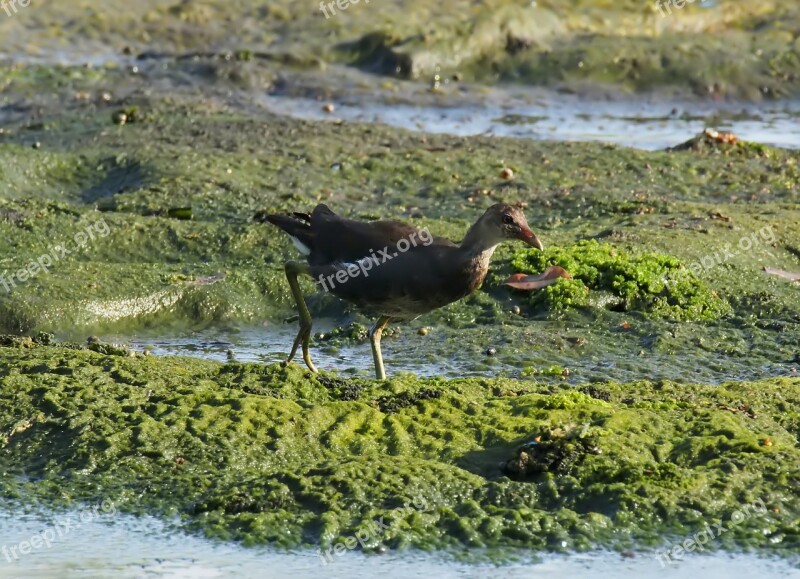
column 269, row 454
column 721, row 212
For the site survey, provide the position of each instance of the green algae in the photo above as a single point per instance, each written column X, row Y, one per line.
column 152, row 271
column 269, row 454
column 656, row 284
column 562, row 296
column 134, row 177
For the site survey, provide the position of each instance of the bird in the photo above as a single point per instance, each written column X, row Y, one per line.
column 390, row 269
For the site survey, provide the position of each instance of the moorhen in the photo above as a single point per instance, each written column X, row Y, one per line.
column 391, row 269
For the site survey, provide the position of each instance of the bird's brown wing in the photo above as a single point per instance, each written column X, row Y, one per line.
column 327, row 238
column 403, row 286
column 339, row 239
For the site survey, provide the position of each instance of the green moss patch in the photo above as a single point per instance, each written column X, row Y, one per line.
column 265, row 454
column 656, row 284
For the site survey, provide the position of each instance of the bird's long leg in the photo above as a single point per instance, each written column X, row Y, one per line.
column 375, row 339
column 293, row 269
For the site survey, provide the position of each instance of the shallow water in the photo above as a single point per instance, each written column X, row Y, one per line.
column 646, row 122
column 637, row 123
column 446, row 352
column 134, row 547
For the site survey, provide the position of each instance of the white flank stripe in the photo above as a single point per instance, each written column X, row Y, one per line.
column 301, row 247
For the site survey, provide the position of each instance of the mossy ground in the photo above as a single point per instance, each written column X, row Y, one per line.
column 226, row 160
column 269, row 454
column 226, row 165
column 264, row 454
column 734, row 49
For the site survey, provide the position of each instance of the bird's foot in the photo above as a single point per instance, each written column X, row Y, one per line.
column 302, row 339
column 309, row 363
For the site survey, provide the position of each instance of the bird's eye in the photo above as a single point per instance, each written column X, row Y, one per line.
column 508, row 220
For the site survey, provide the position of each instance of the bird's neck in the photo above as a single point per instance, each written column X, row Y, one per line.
column 477, row 244
column 477, row 248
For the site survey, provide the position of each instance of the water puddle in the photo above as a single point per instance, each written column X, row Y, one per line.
column 633, row 123
column 271, row 344
column 538, row 350
column 644, row 122
column 123, row 546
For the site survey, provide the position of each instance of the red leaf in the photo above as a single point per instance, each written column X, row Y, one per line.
column 550, row 276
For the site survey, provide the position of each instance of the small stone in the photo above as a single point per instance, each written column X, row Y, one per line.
column 328, row 108
column 119, row 118
column 516, row 310
column 491, row 351
column 506, row 173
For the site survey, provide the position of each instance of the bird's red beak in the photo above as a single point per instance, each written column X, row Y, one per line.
column 530, row 238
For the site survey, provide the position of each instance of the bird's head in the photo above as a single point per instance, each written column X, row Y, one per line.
column 508, row 222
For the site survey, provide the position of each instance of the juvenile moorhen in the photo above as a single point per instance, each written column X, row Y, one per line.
column 391, row 269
